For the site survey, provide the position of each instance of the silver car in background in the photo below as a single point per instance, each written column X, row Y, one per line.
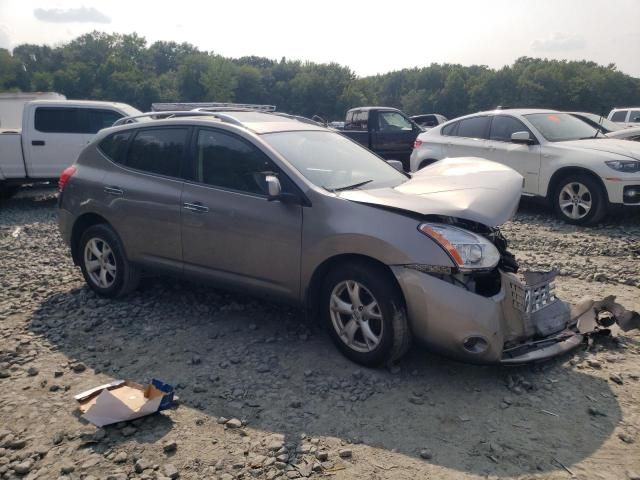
column 276, row 205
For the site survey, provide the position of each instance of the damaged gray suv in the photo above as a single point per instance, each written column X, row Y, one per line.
column 279, row 206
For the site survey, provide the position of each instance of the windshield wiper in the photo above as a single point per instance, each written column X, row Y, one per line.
column 347, row 187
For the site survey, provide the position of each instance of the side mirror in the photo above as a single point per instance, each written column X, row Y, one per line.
column 397, row 164
column 521, row 137
column 273, row 186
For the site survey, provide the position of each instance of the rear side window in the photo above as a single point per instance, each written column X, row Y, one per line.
column 115, row 146
column 158, row 151
column 449, row 130
column 503, row 126
column 474, row 127
column 226, row 161
column 57, row 120
column 619, row 116
column 99, row 119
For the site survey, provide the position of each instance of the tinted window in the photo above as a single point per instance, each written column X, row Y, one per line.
column 393, row 122
column 223, row 160
column 619, row 116
column 634, row 116
column 158, row 150
column 450, row 129
column 503, row 126
column 115, row 146
column 475, row 127
column 99, row 119
column 57, row 120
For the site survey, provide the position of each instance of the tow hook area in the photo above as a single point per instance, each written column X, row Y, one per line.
column 538, row 325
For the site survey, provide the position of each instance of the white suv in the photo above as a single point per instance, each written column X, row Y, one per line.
column 574, row 166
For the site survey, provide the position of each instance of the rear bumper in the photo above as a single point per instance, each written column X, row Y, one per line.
column 522, row 323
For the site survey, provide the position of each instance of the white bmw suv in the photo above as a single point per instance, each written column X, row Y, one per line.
column 580, row 171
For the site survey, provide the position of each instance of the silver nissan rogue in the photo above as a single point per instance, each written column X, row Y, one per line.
column 277, row 205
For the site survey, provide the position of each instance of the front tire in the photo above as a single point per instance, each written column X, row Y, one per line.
column 579, row 199
column 104, row 264
column 365, row 314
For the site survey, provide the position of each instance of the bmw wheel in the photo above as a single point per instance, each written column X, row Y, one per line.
column 580, row 200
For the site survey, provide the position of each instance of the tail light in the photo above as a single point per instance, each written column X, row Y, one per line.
column 417, row 143
column 66, row 174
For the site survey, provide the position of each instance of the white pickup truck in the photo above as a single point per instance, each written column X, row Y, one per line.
column 53, row 134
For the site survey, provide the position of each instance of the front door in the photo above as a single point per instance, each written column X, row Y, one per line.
column 524, row 159
column 231, row 232
column 393, row 136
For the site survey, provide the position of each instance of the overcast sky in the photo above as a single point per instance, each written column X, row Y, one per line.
column 368, row 36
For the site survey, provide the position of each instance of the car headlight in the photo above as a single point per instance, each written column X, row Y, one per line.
column 468, row 250
column 627, row 166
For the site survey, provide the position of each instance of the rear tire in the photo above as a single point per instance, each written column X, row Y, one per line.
column 579, row 199
column 365, row 314
column 104, row 264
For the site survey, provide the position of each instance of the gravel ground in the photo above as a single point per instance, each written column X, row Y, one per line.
column 265, row 395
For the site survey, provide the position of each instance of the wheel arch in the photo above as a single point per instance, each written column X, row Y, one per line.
column 83, row 222
column 314, row 287
column 564, row 172
column 426, row 162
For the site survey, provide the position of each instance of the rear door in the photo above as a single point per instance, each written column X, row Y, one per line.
column 143, row 189
column 469, row 138
column 392, row 136
column 54, row 141
column 524, row 159
column 231, row 232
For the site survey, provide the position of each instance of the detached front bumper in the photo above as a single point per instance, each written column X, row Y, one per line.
column 524, row 322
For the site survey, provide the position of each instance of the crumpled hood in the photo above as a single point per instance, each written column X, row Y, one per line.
column 607, row 145
column 469, row 188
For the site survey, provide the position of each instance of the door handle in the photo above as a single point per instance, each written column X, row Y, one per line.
column 195, row 207
column 113, row 191
column 37, row 143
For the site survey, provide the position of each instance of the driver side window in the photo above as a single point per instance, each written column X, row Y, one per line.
column 392, row 122
column 226, row 161
column 503, row 126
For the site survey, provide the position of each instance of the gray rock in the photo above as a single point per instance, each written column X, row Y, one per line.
column 121, row 457
column 79, row 367
column 322, row 455
column 67, row 468
column 23, row 468
column 426, row 454
column 169, row 446
column 142, row 464
column 233, row 423
column 32, row 371
column 171, row 471
column 345, row 453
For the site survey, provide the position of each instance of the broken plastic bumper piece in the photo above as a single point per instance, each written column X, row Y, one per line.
column 538, row 325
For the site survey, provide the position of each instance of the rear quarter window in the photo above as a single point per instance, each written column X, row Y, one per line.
column 449, row 130
column 115, row 146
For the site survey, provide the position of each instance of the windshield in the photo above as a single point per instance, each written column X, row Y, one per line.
column 332, row 161
column 606, row 123
column 560, row 127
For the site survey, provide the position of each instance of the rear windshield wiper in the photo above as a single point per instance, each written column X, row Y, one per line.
column 347, row 187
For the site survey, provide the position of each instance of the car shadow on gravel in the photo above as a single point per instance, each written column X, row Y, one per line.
column 537, row 212
column 258, row 361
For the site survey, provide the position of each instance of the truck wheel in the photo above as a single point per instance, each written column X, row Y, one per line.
column 104, row 264
column 365, row 314
column 579, row 199
column 8, row 192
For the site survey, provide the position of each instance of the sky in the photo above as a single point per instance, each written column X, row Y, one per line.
column 370, row 36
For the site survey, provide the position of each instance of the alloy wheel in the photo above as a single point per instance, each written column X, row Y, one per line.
column 356, row 316
column 100, row 262
column 575, row 200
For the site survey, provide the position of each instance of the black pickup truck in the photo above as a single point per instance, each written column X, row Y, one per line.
column 384, row 130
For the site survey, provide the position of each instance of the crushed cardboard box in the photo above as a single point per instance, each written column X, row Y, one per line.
column 122, row 400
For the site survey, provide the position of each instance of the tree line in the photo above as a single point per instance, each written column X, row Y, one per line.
column 125, row 68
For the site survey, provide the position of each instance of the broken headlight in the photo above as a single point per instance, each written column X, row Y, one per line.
column 468, row 250
column 627, row 166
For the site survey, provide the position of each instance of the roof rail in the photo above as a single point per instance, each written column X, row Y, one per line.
column 299, row 118
column 174, row 114
column 161, row 107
